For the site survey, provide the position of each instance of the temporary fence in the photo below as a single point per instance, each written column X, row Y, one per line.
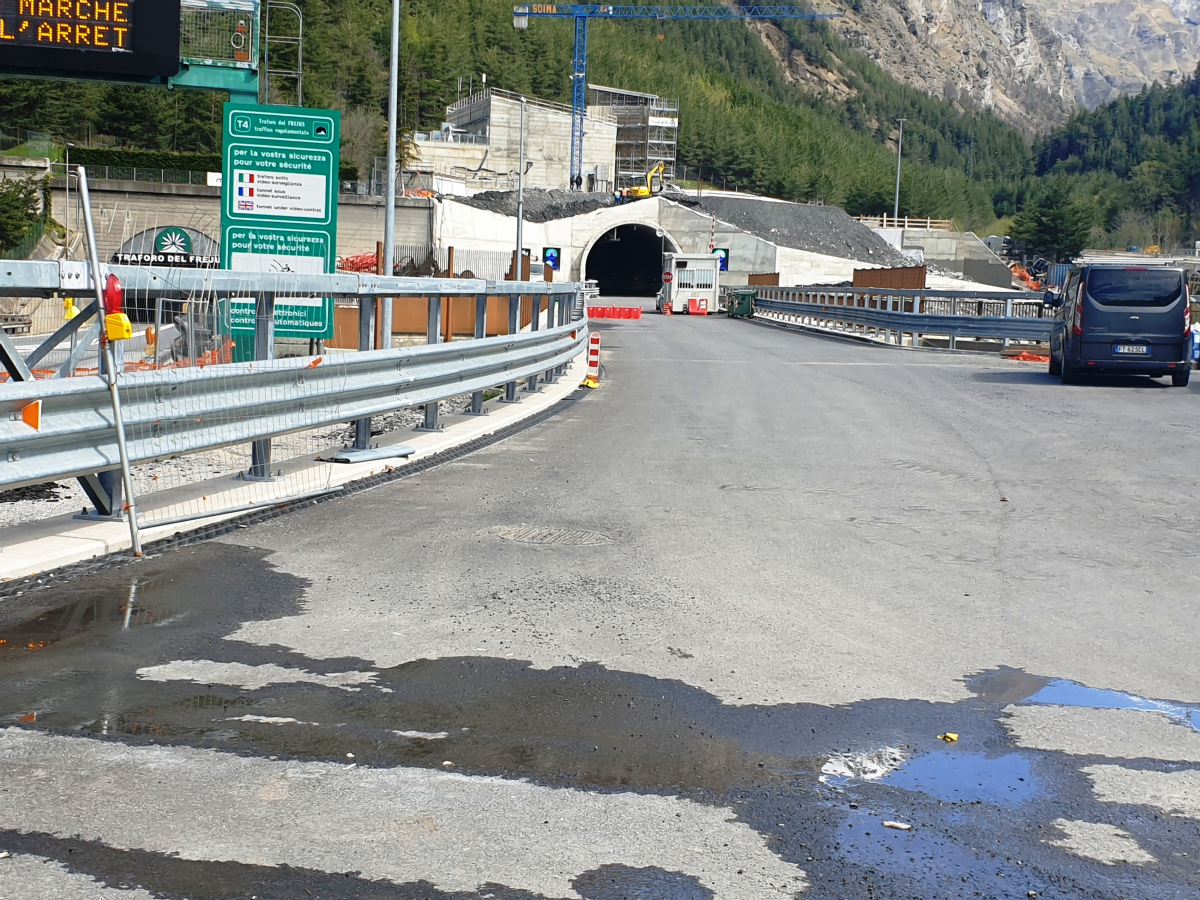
column 905, row 316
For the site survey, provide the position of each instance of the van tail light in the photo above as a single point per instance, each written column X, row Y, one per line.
column 1187, row 312
column 1077, row 327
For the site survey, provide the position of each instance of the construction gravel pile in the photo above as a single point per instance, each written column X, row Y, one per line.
column 818, row 229
column 540, row 205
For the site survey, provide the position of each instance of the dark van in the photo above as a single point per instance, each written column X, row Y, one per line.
column 1129, row 319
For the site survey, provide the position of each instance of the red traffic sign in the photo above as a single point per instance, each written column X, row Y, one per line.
column 668, row 277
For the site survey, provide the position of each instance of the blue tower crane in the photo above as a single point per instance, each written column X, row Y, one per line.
column 584, row 14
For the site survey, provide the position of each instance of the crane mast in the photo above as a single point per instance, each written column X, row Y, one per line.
column 583, row 14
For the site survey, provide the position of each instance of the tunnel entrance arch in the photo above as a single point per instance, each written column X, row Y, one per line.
column 626, row 260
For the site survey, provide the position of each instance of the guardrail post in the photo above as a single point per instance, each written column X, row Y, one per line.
column 514, row 327
column 1007, row 315
column 532, row 386
column 366, row 341
column 264, row 348
column 953, row 312
column 551, row 317
column 433, row 335
column 481, row 308
column 565, row 311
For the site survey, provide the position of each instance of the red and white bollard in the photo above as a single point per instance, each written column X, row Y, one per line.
column 593, row 373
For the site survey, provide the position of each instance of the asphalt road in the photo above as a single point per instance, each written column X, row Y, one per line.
column 696, row 636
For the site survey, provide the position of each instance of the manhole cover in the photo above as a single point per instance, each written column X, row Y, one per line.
column 525, row 534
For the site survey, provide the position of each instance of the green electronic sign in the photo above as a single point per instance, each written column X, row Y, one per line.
column 279, row 210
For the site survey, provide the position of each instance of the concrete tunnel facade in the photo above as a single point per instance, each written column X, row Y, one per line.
column 684, row 230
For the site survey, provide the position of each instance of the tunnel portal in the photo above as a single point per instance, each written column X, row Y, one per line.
column 627, row 261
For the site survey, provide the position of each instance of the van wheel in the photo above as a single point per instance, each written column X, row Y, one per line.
column 1068, row 373
column 1055, row 365
column 1180, row 379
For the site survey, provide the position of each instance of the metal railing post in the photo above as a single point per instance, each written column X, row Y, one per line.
column 433, row 335
column 264, row 348
column 1007, row 315
column 534, row 321
column 514, row 326
column 366, row 341
column 953, row 312
column 551, row 316
column 481, row 308
column 114, row 371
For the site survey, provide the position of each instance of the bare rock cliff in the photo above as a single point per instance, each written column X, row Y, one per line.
column 1031, row 61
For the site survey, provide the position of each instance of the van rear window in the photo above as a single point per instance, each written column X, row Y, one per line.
column 1134, row 287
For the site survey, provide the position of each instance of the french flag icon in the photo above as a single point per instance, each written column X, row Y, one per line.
column 245, row 192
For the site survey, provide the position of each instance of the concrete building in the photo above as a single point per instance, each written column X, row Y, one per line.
column 647, row 131
column 480, row 144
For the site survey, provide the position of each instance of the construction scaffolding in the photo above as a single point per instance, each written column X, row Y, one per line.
column 647, row 132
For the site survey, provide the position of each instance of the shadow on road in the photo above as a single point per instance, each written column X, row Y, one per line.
column 1041, row 378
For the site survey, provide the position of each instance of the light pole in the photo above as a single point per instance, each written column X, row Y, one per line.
column 68, row 173
column 520, row 199
column 389, row 216
column 899, row 160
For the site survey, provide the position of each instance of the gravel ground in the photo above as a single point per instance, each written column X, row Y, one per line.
column 803, row 226
column 540, row 205
column 44, row 501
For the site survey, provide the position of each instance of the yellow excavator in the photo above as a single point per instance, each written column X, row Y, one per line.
column 638, row 192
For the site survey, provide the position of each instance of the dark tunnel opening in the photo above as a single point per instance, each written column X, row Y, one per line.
column 627, row 261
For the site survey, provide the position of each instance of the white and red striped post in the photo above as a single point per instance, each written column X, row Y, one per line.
column 594, row 357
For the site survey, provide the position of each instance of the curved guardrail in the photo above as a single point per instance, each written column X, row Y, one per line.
column 888, row 314
column 998, row 327
column 173, row 412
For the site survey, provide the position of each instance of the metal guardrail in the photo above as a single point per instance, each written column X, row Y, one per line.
column 170, row 413
column 888, row 315
column 202, row 409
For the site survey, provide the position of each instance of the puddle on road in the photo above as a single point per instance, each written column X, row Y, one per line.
column 1006, row 686
column 71, row 653
column 1006, row 780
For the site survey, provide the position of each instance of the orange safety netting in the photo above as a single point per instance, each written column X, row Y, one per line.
column 364, row 262
column 1026, row 356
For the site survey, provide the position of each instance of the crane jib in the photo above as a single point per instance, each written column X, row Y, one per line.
column 568, row 11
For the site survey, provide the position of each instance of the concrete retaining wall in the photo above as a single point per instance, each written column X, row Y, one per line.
column 122, row 209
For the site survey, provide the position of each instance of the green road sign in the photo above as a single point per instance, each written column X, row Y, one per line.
column 279, row 210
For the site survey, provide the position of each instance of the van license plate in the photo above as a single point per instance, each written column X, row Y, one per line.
column 1132, row 349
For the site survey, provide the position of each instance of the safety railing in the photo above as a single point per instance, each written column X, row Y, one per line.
column 891, row 315
column 169, row 413
column 138, row 173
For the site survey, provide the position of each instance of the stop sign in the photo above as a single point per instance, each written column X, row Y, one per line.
column 668, row 277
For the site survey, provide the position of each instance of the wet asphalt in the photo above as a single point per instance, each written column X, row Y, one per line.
column 718, row 464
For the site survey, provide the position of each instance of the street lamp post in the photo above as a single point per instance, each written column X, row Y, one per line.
column 68, row 174
column 389, row 218
column 517, row 268
column 899, row 161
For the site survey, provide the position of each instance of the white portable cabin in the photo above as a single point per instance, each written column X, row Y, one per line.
column 693, row 284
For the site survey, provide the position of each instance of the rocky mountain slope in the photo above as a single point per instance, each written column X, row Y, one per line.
column 1031, row 61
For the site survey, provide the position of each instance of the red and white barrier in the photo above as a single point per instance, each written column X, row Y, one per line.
column 594, row 357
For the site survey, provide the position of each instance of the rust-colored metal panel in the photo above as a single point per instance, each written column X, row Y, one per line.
column 764, row 279
column 908, row 278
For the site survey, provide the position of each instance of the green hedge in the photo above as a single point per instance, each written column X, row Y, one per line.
column 147, row 159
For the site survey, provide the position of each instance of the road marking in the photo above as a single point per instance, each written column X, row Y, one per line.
column 864, row 365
